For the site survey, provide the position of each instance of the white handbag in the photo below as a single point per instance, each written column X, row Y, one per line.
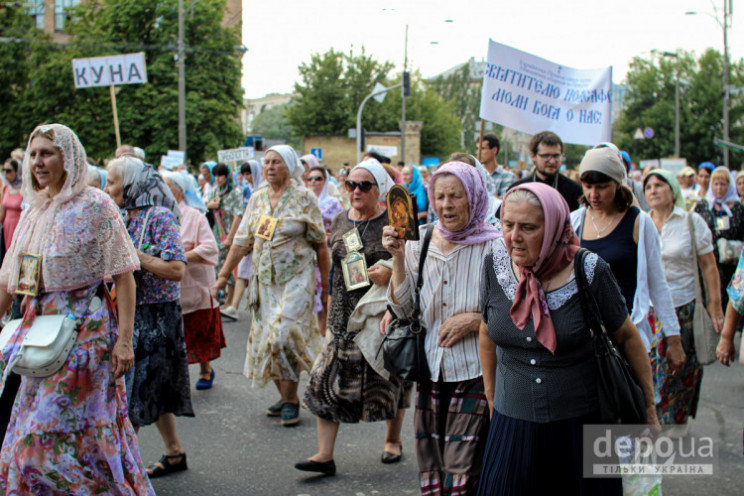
column 47, row 343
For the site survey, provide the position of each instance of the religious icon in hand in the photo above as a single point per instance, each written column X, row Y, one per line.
column 402, row 213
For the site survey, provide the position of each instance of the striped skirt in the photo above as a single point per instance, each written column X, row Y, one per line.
column 451, row 425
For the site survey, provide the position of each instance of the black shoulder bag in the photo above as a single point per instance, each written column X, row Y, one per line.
column 621, row 399
column 403, row 347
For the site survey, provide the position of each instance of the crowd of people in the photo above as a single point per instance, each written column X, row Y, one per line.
column 148, row 262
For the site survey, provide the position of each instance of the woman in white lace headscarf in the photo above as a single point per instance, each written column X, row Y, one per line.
column 78, row 234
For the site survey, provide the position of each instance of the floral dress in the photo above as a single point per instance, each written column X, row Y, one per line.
column 159, row 381
column 284, row 337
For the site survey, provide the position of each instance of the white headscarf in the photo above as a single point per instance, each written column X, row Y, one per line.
column 382, row 178
column 256, row 173
column 184, row 183
column 292, row 161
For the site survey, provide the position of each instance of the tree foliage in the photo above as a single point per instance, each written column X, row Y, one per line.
column 463, row 91
column 650, row 102
column 273, row 124
column 334, row 84
column 148, row 113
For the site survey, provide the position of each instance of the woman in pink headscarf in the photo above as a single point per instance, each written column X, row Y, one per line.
column 451, row 420
column 534, row 331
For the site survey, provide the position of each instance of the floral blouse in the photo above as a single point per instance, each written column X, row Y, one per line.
column 231, row 205
column 299, row 224
column 736, row 288
column 162, row 239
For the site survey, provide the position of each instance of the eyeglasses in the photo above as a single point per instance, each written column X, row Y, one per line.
column 8, row 170
column 549, row 156
column 315, row 178
column 364, row 186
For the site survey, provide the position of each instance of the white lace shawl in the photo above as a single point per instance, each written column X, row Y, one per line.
column 79, row 232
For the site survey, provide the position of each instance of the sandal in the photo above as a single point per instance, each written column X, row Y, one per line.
column 166, row 467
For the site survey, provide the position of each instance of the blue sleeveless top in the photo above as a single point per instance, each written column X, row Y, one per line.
column 620, row 250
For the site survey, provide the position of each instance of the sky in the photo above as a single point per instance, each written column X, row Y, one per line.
column 584, row 34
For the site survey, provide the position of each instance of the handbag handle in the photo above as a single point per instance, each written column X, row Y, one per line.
column 144, row 228
column 698, row 283
column 415, row 324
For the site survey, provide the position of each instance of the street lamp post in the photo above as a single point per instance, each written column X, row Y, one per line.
column 727, row 8
column 403, row 102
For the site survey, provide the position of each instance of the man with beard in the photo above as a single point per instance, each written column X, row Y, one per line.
column 546, row 152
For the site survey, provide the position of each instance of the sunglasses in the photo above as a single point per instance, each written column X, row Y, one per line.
column 364, row 186
column 314, row 178
column 8, row 170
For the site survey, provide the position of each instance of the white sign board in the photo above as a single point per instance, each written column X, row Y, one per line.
column 112, row 70
column 385, row 151
column 236, row 154
column 169, row 162
column 530, row 94
column 673, row 164
column 177, row 155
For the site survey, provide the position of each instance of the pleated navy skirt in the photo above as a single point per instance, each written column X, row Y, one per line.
column 530, row 458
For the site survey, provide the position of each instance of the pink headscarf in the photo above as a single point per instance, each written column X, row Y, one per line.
column 558, row 249
column 477, row 229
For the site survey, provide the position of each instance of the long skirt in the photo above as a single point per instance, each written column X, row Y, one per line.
column 530, row 458
column 451, row 424
column 204, row 335
column 159, row 381
column 284, row 338
column 677, row 396
column 69, row 433
column 344, row 388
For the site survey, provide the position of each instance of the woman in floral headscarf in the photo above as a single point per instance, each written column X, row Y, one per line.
column 70, row 432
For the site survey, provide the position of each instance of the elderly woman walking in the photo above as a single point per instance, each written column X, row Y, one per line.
column 538, row 361
column 70, row 432
column 158, row 386
column 202, row 323
column 284, row 227
column 678, row 388
column 343, row 387
column 451, row 419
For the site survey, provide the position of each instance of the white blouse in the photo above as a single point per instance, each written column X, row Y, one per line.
column 676, row 253
column 451, row 286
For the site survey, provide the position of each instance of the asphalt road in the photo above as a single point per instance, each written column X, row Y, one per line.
column 234, row 449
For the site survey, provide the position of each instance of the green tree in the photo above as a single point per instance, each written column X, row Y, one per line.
column 650, row 102
column 334, row 84
column 463, row 91
column 148, row 113
column 273, row 124
column 22, row 48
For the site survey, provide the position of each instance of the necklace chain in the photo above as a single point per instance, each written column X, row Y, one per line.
column 600, row 232
column 360, row 221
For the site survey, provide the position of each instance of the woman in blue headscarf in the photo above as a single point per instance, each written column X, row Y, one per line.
column 206, row 171
column 415, row 183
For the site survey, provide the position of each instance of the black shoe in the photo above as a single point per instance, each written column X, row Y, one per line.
column 275, row 410
column 327, row 468
column 290, row 414
column 391, row 457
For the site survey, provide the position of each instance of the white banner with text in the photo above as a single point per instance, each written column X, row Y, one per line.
column 129, row 68
column 530, row 94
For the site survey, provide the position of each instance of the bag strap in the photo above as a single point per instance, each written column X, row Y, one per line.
column 589, row 306
column 144, row 228
column 420, row 280
column 698, row 283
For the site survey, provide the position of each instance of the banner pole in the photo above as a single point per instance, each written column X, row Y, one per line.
column 116, row 115
column 480, row 139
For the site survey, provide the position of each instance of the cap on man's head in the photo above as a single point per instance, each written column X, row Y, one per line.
column 686, row 171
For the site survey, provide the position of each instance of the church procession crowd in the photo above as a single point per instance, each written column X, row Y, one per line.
column 144, row 264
